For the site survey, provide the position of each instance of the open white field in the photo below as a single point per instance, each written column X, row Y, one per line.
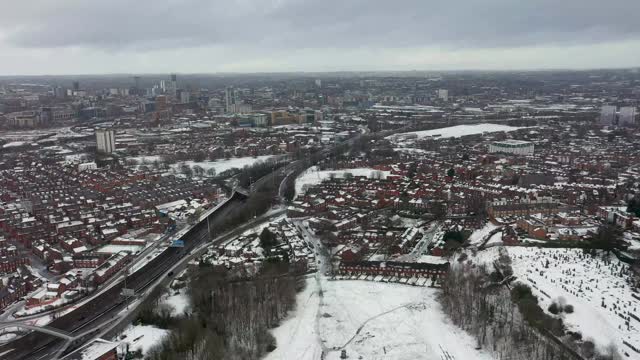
column 313, row 176
column 142, row 337
column 224, row 165
column 461, row 130
column 371, row 320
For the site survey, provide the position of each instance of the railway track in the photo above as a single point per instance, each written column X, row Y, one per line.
column 41, row 347
column 36, row 346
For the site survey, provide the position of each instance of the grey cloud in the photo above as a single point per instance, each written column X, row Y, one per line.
column 291, row 24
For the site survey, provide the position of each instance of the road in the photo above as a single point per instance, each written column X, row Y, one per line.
column 8, row 316
column 102, row 309
column 423, row 244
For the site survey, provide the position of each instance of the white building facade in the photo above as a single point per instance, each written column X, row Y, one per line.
column 608, row 115
column 627, row 116
column 105, row 141
column 515, row 147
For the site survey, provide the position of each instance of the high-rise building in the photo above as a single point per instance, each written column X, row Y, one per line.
column 76, row 85
column 174, row 84
column 318, row 83
column 607, row 115
column 185, row 97
column 627, row 116
column 105, row 141
column 161, row 103
column 60, row 92
column 443, row 94
column 230, row 99
column 136, row 84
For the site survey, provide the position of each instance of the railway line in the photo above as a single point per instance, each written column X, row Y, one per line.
column 103, row 308
column 36, row 346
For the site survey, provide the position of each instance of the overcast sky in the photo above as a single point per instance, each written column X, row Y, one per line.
column 206, row 36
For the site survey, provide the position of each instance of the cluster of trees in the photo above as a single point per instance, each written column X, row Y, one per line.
column 634, row 207
column 454, row 239
column 508, row 321
column 196, row 170
column 559, row 306
column 157, row 164
column 290, row 187
column 230, row 317
column 197, row 156
column 268, row 239
column 607, row 238
column 251, row 174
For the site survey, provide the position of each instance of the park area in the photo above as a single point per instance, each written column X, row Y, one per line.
column 370, row 320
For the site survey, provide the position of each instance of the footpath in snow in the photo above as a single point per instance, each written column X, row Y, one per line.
column 373, row 321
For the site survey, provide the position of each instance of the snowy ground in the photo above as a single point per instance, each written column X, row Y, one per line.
column 142, row 337
column 14, row 144
column 586, row 283
column 75, row 157
column 462, row 130
column 410, row 150
column 178, row 300
column 114, row 249
column 477, row 236
column 370, row 320
column 496, row 239
column 297, row 337
column 313, row 176
column 224, row 165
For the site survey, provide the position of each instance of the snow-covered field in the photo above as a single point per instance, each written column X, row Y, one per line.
column 461, row 130
column 298, row 337
column 142, row 337
column 587, row 283
column 496, row 239
column 370, row 320
column 224, row 165
column 313, row 176
column 477, row 236
column 179, row 301
column 114, row 249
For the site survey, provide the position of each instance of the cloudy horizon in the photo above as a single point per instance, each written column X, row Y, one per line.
column 246, row 36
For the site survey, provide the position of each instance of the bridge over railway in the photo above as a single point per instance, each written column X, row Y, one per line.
column 102, row 311
column 43, row 329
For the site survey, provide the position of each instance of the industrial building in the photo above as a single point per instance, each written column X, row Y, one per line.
column 515, row 147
